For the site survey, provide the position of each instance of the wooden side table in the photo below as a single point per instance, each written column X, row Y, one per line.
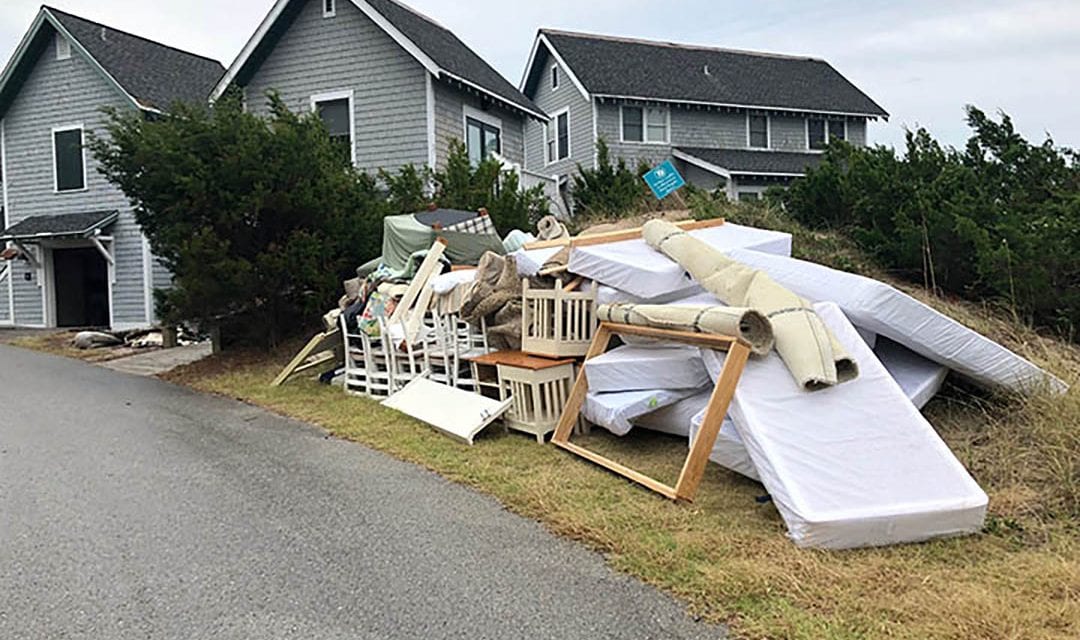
column 539, row 388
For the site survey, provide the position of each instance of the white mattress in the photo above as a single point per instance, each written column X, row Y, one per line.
column 616, row 411
column 883, row 310
column 633, row 268
column 921, row 379
column 729, row 451
column 529, row 261
column 675, row 419
column 854, row 465
column 647, row 367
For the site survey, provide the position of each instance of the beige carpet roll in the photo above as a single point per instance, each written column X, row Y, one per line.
column 747, row 324
column 810, row 351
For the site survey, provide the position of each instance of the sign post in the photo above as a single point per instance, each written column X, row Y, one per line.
column 664, row 180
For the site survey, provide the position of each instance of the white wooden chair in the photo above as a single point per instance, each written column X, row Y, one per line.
column 356, row 361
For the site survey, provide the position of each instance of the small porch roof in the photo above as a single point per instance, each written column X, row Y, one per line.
column 745, row 162
column 67, row 225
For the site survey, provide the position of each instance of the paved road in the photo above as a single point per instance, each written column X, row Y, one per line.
column 130, row 508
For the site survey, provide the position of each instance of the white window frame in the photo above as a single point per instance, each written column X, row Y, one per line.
column 828, row 138
column 480, row 116
column 63, row 48
column 332, row 11
column 555, row 80
column 645, row 125
column 340, row 94
column 768, row 131
column 552, row 128
column 52, row 143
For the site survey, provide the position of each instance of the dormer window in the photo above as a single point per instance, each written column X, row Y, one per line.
column 555, row 77
column 757, row 128
column 329, row 8
column 63, row 47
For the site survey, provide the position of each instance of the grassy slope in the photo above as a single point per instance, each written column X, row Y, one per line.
column 726, row 555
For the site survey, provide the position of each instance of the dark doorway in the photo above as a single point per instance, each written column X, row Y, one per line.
column 81, row 284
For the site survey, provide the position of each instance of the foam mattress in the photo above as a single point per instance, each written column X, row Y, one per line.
column 920, row 378
column 883, row 310
column 853, row 465
column 616, row 411
column 647, row 367
column 632, row 267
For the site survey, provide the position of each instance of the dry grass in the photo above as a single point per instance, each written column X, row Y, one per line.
column 727, row 557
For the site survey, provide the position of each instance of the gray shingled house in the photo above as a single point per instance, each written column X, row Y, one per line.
column 393, row 84
column 75, row 255
column 733, row 119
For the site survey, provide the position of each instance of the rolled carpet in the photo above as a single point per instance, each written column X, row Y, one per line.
column 809, row 350
column 749, row 325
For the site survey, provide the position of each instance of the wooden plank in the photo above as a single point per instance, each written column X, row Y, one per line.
column 315, row 345
column 694, row 467
column 572, row 409
column 618, row 236
column 521, row 360
column 457, row 413
column 573, row 284
column 414, row 321
column 707, row 340
column 419, row 282
column 620, row 469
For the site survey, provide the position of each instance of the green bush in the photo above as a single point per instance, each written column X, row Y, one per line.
column 611, row 189
column 260, row 219
column 998, row 219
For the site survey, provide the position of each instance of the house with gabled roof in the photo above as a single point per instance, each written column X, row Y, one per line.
column 393, row 84
column 74, row 254
column 737, row 120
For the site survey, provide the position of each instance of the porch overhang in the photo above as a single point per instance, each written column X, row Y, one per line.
column 736, row 163
column 73, row 226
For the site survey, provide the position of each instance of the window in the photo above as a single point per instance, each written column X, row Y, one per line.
column 821, row 132
column 554, row 77
column 557, row 137
column 815, row 133
column 482, row 139
column 562, row 130
column 63, row 47
column 336, row 112
column 837, row 130
column 69, row 159
column 641, row 124
column 329, row 8
column 758, row 131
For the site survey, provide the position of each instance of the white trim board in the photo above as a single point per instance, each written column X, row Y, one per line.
column 395, row 34
column 339, row 94
column 541, row 38
column 7, row 213
column 82, row 142
column 45, row 14
column 732, row 105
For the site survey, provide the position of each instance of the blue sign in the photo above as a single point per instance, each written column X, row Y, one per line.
column 664, row 180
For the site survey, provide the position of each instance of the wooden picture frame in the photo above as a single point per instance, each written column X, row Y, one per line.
column 694, row 468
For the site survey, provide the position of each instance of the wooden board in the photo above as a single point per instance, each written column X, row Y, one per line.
column 694, row 467
column 618, row 236
column 459, row 414
column 326, row 341
column 521, row 360
column 419, row 282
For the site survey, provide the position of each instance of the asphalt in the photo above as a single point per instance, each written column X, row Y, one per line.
column 131, row 508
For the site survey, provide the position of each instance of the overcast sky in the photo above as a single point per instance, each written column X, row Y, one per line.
column 922, row 60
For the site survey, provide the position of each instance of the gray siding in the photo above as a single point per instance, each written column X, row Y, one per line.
column 856, row 132
column 787, row 133
column 450, row 103
column 582, row 145
column 350, row 52
column 61, row 93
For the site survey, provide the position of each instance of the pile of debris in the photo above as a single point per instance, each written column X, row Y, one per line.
column 137, row 339
column 806, row 379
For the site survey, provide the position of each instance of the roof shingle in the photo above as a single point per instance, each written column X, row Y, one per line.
column 609, row 66
column 755, row 162
column 156, row 75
